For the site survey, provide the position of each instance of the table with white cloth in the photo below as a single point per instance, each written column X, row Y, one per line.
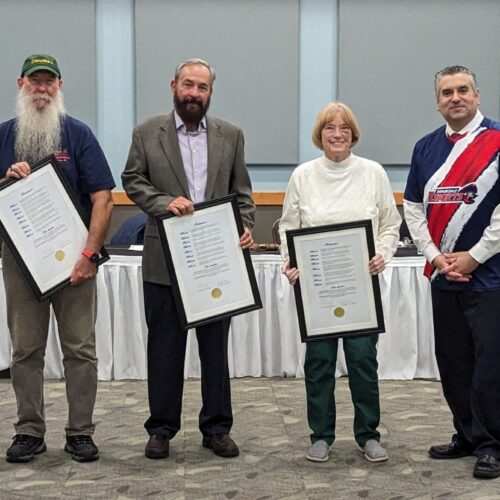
column 261, row 343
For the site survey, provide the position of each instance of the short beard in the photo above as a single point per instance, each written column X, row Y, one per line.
column 191, row 115
column 38, row 132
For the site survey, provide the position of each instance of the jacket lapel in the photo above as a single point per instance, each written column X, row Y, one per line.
column 170, row 144
column 215, row 145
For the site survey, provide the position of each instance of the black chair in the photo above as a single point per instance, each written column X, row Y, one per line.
column 131, row 232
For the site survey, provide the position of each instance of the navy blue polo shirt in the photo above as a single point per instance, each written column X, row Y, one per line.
column 81, row 158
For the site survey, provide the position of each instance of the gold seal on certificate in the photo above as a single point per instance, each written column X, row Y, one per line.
column 60, row 255
column 339, row 312
column 216, row 293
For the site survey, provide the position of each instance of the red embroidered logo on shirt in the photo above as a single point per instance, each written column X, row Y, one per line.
column 62, row 156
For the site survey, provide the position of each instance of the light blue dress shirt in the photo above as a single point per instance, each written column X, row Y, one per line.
column 194, row 152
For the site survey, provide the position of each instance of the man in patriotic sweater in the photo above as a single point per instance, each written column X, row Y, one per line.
column 452, row 208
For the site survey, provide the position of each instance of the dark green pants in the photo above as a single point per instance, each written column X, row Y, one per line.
column 361, row 358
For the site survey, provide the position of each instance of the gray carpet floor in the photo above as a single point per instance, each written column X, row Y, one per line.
column 271, row 430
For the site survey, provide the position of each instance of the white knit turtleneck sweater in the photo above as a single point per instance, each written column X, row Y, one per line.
column 324, row 192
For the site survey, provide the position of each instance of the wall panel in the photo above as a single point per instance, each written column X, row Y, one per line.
column 61, row 28
column 389, row 51
column 254, row 47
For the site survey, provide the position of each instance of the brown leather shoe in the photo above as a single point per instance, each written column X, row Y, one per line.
column 157, row 446
column 222, row 445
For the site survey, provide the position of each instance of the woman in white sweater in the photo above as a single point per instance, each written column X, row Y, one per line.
column 341, row 187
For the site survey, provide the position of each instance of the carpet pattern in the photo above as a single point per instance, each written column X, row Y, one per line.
column 271, row 430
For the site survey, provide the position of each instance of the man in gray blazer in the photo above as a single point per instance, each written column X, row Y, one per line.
column 176, row 160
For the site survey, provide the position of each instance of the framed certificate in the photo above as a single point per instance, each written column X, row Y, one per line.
column 212, row 276
column 335, row 294
column 44, row 227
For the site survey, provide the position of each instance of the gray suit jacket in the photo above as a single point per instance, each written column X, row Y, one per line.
column 154, row 175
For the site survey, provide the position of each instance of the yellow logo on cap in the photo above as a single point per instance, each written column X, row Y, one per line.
column 38, row 61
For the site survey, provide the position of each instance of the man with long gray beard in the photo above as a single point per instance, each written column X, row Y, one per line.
column 42, row 127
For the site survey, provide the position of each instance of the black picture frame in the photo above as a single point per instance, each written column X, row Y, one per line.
column 41, row 291
column 228, row 206
column 332, row 235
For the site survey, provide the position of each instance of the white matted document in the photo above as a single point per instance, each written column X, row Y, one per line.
column 212, row 276
column 335, row 294
column 44, row 227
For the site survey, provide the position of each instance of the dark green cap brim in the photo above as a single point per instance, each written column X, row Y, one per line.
column 41, row 68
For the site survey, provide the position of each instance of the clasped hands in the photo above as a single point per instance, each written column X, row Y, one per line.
column 375, row 266
column 182, row 206
column 456, row 266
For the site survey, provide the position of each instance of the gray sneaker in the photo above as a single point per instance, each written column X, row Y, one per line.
column 373, row 451
column 318, row 452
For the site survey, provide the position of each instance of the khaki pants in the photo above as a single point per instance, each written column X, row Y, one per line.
column 28, row 321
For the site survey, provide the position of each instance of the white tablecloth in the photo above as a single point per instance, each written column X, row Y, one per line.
column 262, row 343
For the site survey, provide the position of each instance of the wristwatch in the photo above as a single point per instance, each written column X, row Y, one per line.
column 92, row 256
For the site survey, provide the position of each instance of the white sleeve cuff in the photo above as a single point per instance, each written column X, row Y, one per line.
column 479, row 253
column 431, row 252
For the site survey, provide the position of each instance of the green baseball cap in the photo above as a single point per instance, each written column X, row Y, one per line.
column 40, row 62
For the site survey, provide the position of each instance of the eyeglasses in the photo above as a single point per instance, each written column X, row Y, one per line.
column 331, row 129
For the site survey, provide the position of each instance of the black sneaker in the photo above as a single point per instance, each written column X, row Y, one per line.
column 24, row 448
column 82, row 448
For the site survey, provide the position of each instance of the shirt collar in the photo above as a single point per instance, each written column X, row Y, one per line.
column 181, row 127
column 472, row 125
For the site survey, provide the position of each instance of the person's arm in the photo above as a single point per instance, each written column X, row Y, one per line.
column 290, row 216
column 417, row 225
column 489, row 244
column 102, row 206
column 242, row 187
column 389, row 221
column 290, row 219
column 137, row 184
column 414, row 210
